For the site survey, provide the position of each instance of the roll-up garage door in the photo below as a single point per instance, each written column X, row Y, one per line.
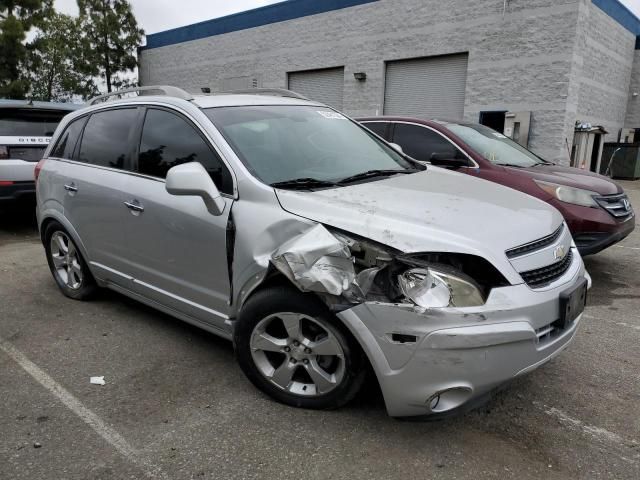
column 325, row 86
column 427, row 87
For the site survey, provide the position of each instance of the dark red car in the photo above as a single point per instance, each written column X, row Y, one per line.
column 596, row 209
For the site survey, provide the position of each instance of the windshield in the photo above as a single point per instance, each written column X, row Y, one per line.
column 494, row 146
column 279, row 143
column 16, row 122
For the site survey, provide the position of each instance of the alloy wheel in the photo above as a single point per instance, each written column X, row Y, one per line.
column 66, row 261
column 296, row 353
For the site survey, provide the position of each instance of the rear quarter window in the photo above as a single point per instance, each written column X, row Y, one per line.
column 68, row 140
column 106, row 140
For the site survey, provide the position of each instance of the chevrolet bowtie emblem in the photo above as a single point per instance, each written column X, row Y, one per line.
column 559, row 253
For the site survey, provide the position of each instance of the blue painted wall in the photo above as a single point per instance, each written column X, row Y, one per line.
column 279, row 12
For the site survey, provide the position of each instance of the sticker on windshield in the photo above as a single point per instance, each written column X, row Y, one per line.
column 332, row 115
column 499, row 135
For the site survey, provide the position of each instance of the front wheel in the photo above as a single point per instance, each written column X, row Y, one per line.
column 292, row 348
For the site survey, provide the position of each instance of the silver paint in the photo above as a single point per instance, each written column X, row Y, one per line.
column 173, row 256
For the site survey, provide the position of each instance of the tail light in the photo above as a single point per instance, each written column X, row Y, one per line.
column 36, row 172
column 4, row 152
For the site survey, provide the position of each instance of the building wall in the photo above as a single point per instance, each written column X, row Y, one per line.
column 603, row 64
column 522, row 60
column 632, row 119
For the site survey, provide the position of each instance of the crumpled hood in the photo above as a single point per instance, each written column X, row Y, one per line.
column 432, row 211
column 573, row 177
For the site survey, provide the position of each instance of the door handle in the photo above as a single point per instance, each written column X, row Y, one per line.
column 71, row 187
column 136, row 207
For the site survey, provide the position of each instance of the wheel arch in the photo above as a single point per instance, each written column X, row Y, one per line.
column 51, row 216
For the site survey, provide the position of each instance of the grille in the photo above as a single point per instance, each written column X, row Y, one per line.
column 541, row 277
column 617, row 205
column 536, row 245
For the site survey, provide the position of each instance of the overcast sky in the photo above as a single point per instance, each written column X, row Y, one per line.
column 158, row 15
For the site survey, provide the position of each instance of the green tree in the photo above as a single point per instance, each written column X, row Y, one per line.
column 16, row 19
column 111, row 36
column 57, row 59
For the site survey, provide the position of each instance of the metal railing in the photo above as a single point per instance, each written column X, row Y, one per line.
column 169, row 91
column 276, row 92
column 163, row 90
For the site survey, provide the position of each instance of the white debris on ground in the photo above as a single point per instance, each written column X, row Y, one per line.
column 97, row 381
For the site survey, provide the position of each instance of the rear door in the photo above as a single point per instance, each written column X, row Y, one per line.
column 176, row 250
column 94, row 189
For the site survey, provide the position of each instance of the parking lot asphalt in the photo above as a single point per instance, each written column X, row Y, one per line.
column 176, row 405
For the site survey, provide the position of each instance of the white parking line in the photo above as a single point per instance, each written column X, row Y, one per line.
column 634, row 327
column 72, row 403
column 621, row 324
column 630, row 248
column 597, row 433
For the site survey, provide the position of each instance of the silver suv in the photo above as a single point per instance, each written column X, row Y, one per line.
column 318, row 248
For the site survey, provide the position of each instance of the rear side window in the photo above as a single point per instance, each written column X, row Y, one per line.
column 169, row 140
column 105, row 141
column 379, row 128
column 421, row 143
column 68, row 140
column 25, row 122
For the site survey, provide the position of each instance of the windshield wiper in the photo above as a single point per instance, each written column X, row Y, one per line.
column 373, row 174
column 510, row 165
column 306, row 183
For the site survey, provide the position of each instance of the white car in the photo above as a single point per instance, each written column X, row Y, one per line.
column 25, row 131
column 317, row 247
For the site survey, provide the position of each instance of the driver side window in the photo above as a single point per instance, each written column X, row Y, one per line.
column 168, row 140
column 421, row 143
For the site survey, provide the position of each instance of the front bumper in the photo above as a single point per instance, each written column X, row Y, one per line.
column 593, row 228
column 442, row 359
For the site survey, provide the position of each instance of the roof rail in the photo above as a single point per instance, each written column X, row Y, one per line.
column 150, row 90
column 277, row 92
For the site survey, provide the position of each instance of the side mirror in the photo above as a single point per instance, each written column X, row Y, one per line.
column 192, row 179
column 396, row 147
column 447, row 160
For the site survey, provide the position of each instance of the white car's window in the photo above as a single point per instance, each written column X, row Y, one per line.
column 282, row 143
column 106, row 141
column 168, row 140
column 68, row 140
column 19, row 122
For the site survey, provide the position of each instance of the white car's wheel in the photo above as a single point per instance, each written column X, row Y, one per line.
column 292, row 348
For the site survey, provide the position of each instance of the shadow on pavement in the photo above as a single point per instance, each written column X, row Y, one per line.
column 18, row 222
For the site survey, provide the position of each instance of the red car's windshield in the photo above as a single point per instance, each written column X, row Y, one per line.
column 494, row 146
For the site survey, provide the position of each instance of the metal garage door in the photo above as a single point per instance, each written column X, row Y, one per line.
column 324, row 86
column 427, row 87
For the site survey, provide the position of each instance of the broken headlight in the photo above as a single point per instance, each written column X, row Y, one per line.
column 437, row 288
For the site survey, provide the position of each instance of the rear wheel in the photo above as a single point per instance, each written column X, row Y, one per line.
column 292, row 348
column 67, row 266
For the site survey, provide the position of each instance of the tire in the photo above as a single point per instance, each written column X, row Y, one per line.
column 67, row 266
column 279, row 358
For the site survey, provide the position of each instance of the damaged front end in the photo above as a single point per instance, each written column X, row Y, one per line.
column 346, row 270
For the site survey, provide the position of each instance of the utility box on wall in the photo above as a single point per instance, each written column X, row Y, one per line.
column 516, row 127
